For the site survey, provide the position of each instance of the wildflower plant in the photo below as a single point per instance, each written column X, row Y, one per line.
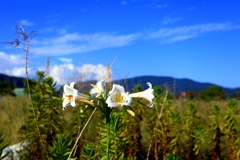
column 106, row 100
column 61, row 147
column 46, row 106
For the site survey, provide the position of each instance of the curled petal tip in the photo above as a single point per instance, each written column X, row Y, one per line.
column 150, row 105
column 149, row 84
column 72, row 84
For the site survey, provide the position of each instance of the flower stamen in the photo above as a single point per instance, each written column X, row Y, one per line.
column 118, row 98
column 69, row 98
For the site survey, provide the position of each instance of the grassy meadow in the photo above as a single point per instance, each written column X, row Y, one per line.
column 185, row 130
column 13, row 114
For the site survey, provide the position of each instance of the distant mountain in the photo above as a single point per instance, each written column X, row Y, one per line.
column 176, row 85
column 17, row 81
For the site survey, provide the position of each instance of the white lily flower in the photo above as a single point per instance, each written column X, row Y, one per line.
column 118, row 97
column 71, row 95
column 147, row 94
column 97, row 88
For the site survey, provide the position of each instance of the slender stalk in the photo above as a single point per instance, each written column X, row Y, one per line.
column 108, row 139
column 107, row 111
column 26, row 49
column 34, row 113
column 159, row 117
column 79, row 136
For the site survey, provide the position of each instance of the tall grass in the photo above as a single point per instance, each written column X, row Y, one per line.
column 13, row 114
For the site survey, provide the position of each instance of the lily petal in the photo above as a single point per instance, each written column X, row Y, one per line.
column 66, row 102
column 118, row 97
column 147, row 94
column 97, row 88
column 131, row 111
column 71, row 95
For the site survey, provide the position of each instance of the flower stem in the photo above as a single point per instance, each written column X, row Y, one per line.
column 159, row 118
column 26, row 49
column 107, row 111
column 108, row 114
column 108, row 139
column 79, row 136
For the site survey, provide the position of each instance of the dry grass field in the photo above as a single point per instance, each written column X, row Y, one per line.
column 13, row 113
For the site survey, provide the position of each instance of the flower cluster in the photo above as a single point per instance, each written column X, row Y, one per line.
column 117, row 97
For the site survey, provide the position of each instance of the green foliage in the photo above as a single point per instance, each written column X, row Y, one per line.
column 176, row 144
column 89, row 152
column 172, row 157
column 118, row 142
column 213, row 93
column 61, row 147
column 231, row 127
column 132, row 132
column 2, row 148
column 159, row 91
column 191, row 121
column 51, row 116
column 216, row 132
column 46, row 105
column 79, row 118
column 138, row 88
column 191, row 131
column 29, row 130
column 231, row 117
column 159, row 119
column 6, row 88
column 199, row 141
column 133, row 126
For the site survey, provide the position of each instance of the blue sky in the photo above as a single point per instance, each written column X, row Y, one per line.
column 199, row 40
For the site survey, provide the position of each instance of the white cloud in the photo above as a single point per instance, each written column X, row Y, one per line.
column 169, row 20
column 77, row 43
column 14, row 65
column 72, row 43
column 96, row 72
column 62, row 73
column 66, row 73
column 68, row 60
column 26, row 23
column 11, row 59
column 67, row 43
column 182, row 33
column 16, row 71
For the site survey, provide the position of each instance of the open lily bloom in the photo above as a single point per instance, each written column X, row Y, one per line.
column 98, row 88
column 71, row 95
column 147, row 94
column 118, row 97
